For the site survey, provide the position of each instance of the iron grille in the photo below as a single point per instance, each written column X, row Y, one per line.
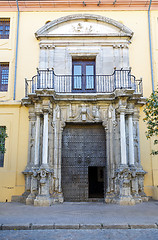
column 4, row 28
column 4, row 74
column 47, row 79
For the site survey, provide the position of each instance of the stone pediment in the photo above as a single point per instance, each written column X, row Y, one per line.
column 84, row 25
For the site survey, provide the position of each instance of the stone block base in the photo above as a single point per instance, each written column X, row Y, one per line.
column 124, row 200
column 109, row 198
column 21, row 198
column 43, row 201
column 30, row 199
column 58, row 198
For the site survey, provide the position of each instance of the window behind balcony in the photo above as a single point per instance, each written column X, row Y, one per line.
column 4, row 28
column 83, row 72
column 4, row 74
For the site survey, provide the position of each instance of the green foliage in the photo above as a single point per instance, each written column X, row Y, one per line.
column 3, row 136
column 151, row 118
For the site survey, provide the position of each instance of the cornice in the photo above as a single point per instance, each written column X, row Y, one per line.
column 64, row 5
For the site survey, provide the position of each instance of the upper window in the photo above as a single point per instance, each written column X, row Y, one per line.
column 83, row 72
column 4, row 74
column 4, row 28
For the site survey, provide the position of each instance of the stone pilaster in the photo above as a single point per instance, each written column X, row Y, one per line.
column 58, row 130
column 60, row 193
column 30, row 162
column 34, row 187
column 44, row 172
column 123, row 172
column 110, row 154
column 140, row 176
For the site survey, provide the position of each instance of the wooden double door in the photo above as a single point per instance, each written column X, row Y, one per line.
column 83, row 162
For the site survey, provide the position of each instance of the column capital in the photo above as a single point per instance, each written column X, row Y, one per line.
column 38, row 111
column 46, row 106
column 32, row 116
column 122, row 109
column 130, row 112
column 136, row 114
column 45, row 110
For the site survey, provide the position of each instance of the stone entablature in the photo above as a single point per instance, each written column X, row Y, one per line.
column 49, row 113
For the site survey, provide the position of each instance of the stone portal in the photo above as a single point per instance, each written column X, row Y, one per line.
column 83, row 152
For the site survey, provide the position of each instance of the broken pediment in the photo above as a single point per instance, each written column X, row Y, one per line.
column 84, row 25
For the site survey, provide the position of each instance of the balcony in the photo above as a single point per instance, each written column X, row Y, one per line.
column 47, row 79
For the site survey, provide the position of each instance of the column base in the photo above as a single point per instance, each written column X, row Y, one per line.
column 58, row 198
column 125, row 200
column 43, row 201
column 144, row 197
column 137, row 198
column 109, row 197
column 30, row 199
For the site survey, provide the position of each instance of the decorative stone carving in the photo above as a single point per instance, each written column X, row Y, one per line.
column 82, row 28
column 43, row 198
column 46, row 46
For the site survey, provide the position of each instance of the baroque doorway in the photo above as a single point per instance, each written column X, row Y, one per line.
column 83, row 162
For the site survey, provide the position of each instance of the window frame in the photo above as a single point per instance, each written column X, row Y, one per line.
column 4, row 76
column 4, row 23
column 83, row 63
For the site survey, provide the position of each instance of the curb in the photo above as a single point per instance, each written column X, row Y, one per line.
column 31, row 226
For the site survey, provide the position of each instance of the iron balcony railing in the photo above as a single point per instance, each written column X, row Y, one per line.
column 47, row 79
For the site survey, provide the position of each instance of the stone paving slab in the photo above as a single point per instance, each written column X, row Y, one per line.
column 79, row 216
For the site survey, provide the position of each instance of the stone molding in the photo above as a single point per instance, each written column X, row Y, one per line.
column 124, row 31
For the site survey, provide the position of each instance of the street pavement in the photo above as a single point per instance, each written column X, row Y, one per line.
column 69, row 234
column 75, row 221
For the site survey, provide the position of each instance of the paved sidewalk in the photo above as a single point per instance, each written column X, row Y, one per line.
column 79, row 216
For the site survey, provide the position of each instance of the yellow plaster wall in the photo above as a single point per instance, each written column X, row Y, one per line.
column 15, row 117
column 7, row 53
column 154, row 42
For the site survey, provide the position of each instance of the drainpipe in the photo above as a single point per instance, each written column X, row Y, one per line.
column 151, row 61
column 16, row 54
